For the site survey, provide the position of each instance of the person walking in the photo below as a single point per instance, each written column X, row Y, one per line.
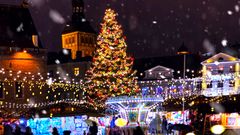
column 138, row 131
column 164, row 125
column 66, row 132
column 55, row 131
column 7, row 130
column 93, row 129
column 17, row 130
column 28, row 131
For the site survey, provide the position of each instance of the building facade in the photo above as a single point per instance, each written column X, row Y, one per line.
column 220, row 77
column 78, row 35
column 22, row 61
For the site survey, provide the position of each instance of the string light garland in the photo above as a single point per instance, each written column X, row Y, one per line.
column 111, row 72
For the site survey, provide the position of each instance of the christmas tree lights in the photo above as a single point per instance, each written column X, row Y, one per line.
column 111, row 72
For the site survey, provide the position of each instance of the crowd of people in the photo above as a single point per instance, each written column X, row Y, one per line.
column 8, row 130
column 163, row 128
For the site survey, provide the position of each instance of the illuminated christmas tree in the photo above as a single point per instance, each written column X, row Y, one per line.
column 111, row 72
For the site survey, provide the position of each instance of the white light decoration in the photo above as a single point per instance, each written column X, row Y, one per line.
column 49, row 81
column 217, row 129
column 191, row 133
column 216, row 63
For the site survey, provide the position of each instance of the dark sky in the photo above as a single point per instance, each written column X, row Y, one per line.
column 152, row 27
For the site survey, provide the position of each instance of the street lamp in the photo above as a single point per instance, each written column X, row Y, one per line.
column 183, row 51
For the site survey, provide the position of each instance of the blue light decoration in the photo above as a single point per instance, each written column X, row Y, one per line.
column 43, row 126
column 112, row 123
column 135, row 109
column 145, row 91
column 159, row 90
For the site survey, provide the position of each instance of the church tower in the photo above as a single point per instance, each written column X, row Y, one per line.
column 78, row 35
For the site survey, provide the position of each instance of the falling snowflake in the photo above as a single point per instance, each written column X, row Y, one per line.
column 224, row 42
column 83, row 20
column 20, row 28
column 229, row 12
column 154, row 22
column 57, row 61
column 65, row 52
column 36, row 3
column 208, row 46
column 56, row 17
column 236, row 8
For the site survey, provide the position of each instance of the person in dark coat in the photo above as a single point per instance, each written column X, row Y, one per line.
column 17, row 130
column 7, row 130
column 28, row 131
column 138, row 131
column 93, row 129
column 66, row 132
column 164, row 125
column 55, row 131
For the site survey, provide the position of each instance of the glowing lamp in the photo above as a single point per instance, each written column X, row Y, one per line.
column 21, row 121
column 190, row 133
column 120, row 122
column 217, row 129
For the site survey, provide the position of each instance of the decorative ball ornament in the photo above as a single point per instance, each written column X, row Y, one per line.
column 120, row 122
column 127, row 90
column 217, row 129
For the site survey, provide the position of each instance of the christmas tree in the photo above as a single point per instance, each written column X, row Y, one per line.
column 111, row 71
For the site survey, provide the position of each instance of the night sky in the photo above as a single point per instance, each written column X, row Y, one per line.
column 152, row 27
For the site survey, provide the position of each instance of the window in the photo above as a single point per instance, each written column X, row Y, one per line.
column 18, row 90
column 1, row 90
column 73, row 40
column 66, row 41
column 220, row 71
column 220, row 84
column 199, row 85
column 76, row 71
column 81, row 9
column 209, row 85
column 82, row 39
column 77, row 9
column 231, row 83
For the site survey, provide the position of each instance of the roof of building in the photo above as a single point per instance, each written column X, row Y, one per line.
column 221, row 57
column 62, row 58
column 159, row 68
column 17, row 27
column 82, row 26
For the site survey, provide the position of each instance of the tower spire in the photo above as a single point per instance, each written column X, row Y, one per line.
column 78, row 10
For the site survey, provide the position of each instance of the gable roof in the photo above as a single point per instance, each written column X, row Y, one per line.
column 159, row 68
column 16, row 27
column 219, row 57
column 82, row 26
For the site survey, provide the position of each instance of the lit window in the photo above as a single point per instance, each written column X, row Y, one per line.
column 19, row 89
column 76, row 71
column 73, row 40
column 1, row 90
column 66, row 41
